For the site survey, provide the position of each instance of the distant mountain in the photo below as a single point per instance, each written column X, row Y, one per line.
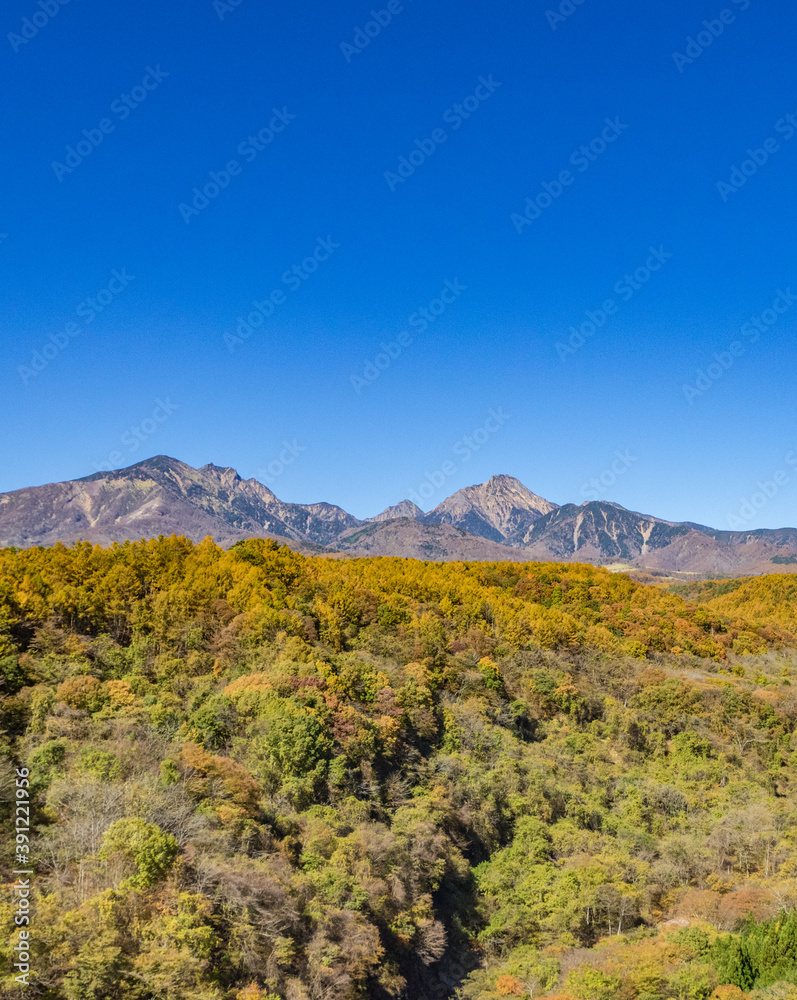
column 502, row 509
column 320, row 523
column 600, row 530
column 607, row 534
column 161, row 496
column 434, row 542
column 404, row 509
column 497, row 520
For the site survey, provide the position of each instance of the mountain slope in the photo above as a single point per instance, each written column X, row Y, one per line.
column 601, row 530
column 438, row 542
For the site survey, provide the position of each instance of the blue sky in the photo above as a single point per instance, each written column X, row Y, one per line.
column 225, row 155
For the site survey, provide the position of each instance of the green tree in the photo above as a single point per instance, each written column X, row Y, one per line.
column 142, row 847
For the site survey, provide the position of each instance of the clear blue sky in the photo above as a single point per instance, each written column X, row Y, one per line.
column 331, row 172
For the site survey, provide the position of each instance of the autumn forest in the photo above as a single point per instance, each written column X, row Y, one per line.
column 257, row 775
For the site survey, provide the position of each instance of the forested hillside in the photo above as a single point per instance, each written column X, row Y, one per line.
column 262, row 776
column 767, row 599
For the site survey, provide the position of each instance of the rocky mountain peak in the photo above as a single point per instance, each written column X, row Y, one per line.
column 404, row 509
column 225, row 475
column 502, row 509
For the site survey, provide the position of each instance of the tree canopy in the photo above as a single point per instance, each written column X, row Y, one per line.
column 257, row 775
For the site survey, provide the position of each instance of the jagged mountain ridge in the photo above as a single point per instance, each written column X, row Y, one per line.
column 162, row 495
column 499, row 519
column 602, row 527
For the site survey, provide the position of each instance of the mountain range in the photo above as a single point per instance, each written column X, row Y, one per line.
column 497, row 520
